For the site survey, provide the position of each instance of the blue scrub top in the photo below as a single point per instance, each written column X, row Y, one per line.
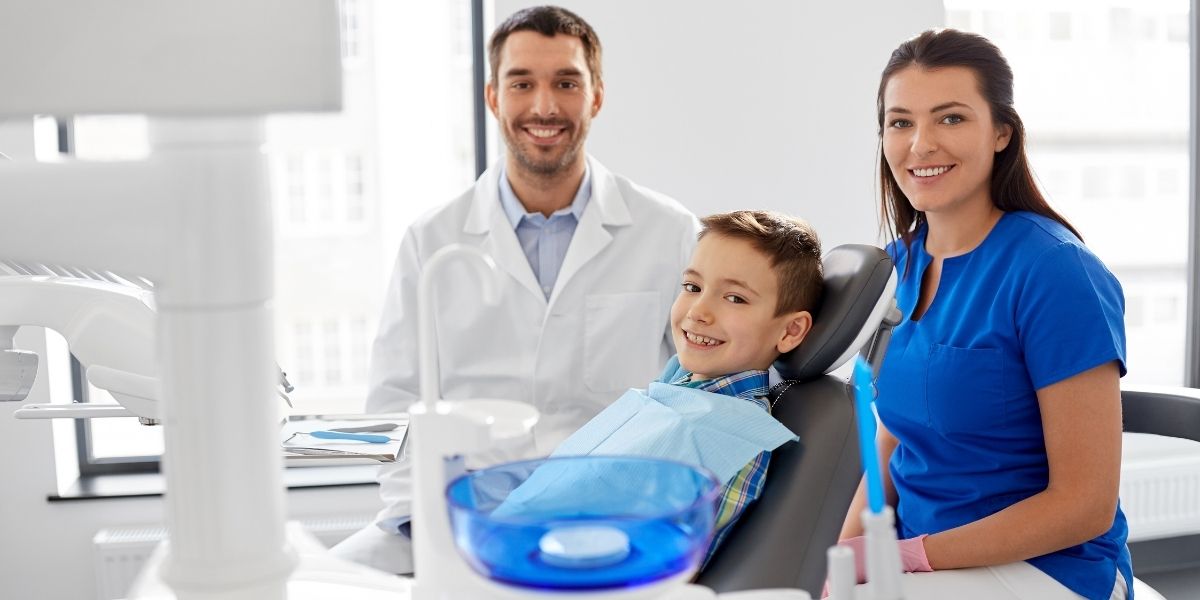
column 1030, row 306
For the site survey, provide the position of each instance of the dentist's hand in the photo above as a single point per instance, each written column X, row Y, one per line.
column 912, row 555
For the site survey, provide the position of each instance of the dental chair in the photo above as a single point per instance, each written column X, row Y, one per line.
column 1167, row 411
column 780, row 541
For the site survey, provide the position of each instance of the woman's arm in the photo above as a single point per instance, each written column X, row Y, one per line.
column 886, row 443
column 1081, row 422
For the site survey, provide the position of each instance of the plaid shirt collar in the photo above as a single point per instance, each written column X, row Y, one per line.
column 748, row 385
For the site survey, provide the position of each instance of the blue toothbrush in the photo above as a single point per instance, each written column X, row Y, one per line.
column 864, row 396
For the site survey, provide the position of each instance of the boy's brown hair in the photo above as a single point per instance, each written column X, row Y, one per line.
column 789, row 243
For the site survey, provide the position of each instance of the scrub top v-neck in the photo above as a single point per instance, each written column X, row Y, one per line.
column 1028, row 307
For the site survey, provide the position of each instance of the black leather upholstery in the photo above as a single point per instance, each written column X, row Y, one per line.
column 1169, row 411
column 855, row 277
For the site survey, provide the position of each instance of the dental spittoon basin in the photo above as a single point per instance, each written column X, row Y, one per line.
column 583, row 522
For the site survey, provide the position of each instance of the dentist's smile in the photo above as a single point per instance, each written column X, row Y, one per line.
column 543, row 135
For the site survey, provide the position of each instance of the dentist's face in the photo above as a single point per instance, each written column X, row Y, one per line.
column 723, row 320
column 939, row 139
column 544, row 101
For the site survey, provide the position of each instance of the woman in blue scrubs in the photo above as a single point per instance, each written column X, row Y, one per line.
column 999, row 395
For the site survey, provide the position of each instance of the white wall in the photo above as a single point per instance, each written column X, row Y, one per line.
column 764, row 104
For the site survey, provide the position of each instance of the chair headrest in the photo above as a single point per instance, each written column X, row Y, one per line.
column 860, row 285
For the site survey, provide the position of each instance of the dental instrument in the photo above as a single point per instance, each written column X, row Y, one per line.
column 883, row 551
column 380, row 427
column 330, row 434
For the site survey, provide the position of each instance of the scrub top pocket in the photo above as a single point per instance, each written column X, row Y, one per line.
column 623, row 336
column 965, row 390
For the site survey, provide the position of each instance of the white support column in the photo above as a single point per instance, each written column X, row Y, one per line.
column 223, row 468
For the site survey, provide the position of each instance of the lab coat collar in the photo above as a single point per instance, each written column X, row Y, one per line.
column 607, row 208
column 606, row 199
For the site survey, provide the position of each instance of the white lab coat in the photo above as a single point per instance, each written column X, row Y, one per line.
column 605, row 327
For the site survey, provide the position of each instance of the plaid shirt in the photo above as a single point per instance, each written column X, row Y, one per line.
column 746, row 486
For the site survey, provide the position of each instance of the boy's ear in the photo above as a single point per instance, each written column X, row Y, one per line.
column 798, row 325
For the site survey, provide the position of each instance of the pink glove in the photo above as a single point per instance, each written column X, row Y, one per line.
column 912, row 555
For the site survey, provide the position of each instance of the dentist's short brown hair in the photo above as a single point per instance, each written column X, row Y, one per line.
column 548, row 21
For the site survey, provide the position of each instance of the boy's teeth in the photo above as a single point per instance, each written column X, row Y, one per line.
column 930, row 172
column 700, row 339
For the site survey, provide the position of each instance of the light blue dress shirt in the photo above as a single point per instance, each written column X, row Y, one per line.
column 545, row 240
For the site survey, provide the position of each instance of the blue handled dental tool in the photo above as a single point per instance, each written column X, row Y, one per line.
column 342, row 435
column 864, row 396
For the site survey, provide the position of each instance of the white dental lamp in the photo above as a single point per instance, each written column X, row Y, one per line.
column 90, row 313
column 90, row 309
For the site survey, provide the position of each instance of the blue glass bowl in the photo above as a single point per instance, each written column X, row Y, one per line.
column 583, row 522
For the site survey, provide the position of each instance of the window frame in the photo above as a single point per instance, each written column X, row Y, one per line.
column 1191, row 367
column 89, row 465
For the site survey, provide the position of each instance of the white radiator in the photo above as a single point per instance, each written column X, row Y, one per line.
column 120, row 552
column 1160, row 486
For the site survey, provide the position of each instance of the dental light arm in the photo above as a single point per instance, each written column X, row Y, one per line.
column 109, row 328
column 108, row 322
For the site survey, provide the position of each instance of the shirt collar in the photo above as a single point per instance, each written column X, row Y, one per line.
column 515, row 211
column 748, row 385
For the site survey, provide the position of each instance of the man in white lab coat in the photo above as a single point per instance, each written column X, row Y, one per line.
column 590, row 265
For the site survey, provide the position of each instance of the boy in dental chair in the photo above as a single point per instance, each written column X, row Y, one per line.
column 746, row 297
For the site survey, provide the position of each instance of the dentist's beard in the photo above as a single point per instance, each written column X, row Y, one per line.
column 545, row 166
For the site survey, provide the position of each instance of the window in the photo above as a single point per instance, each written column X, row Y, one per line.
column 1112, row 163
column 1060, row 26
column 320, row 191
column 345, row 187
column 350, row 13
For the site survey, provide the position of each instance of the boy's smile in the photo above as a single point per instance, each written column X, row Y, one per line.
column 701, row 340
column 724, row 319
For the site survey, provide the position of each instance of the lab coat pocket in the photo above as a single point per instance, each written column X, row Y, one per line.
column 965, row 390
column 622, row 343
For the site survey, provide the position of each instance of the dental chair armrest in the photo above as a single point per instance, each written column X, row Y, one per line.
column 1161, row 410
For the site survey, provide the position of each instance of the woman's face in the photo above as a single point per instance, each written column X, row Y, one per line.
column 938, row 138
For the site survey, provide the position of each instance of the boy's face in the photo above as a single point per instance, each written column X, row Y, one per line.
column 723, row 320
